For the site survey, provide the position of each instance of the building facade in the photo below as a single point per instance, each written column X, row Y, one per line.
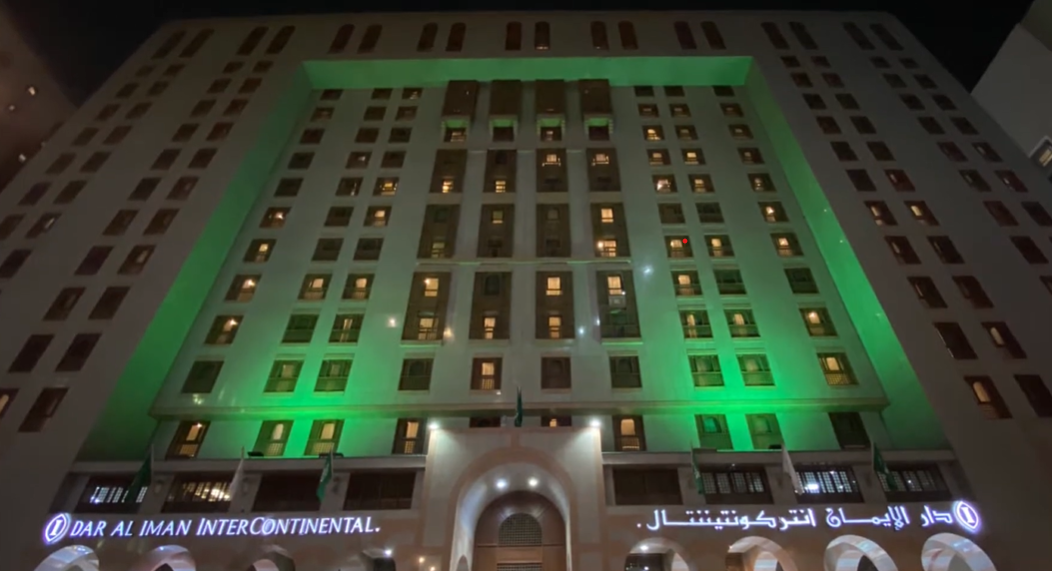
column 33, row 104
column 764, row 290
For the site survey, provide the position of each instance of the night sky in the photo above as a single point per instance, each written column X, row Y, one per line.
column 84, row 41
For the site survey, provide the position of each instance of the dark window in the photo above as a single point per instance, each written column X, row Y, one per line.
column 861, row 180
column 1001, row 214
column 931, row 125
column 380, row 491
column 284, row 492
column 774, row 35
column 713, row 36
column 251, row 41
column 684, row 36
column 858, row 36
column 370, row 39
column 1004, row 340
column 902, row 250
column 646, row 487
column 599, row 39
column 1031, row 253
column 885, row 37
column 849, row 429
column 513, row 37
column 972, row 290
column 955, row 341
column 927, row 292
column 455, row 42
column 802, row 35
column 93, row 260
column 427, row 38
column 542, row 36
column 30, row 353
column 78, row 352
column 945, row 249
column 13, row 262
column 280, row 40
column 923, row 483
column 43, row 409
column 169, row 44
column 1037, row 394
column 1037, row 213
column 627, row 32
column 343, row 37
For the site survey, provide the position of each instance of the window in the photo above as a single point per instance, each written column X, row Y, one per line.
column 555, row 373
column 815, row 102
column 64, row 303
column 771, row 211
column 931, row 125
column 791, row 62
column 696, row 324
column 756, row 370
column 89, row 266
column 368, row 249
column 882, row 216
column 542, row 36
column 646, row 487
column 843, row 151
column 850, row 430
column 964, row 126
column 927, row 292
column 370, row 39
column 837, row 369
column 160, row 222
column 709, row 213
column 343, row 37
column 223, row 330
column 684, row 36
column 686, row 283
column 280, row 40
column 486, row 374
column 765, row 431
column 374, row 490
column 818, row 322
column 774, row 35
column 31, row 352
column 972, row 291
column 729, row 282
column 333, row 375
column 248, row 45
column 272, row 439
column 628, row 434
column 599, row 39
column 899, row 180
column 847, row 101
column 136, row 260
column 410, row 436
column 68, row 194
column 43, row 408
column 742, row 323
column 713, row 36
column 987, row 152
column 1037, row 213
column 885, row 37
column 43, row 224
column 945, row 249
column 713, row 434
column 327, row 249
column 324, row 438
column 828, row 484
column 914, row 484
column 169, row 44
column 1001, row 214
column 861, row 180
column 987, row 397
column 202, row 377
column 693, row 157
column 921, row 213
column 740, row 131
column 202, row 107
column 192, row 494
column 1004, row 340
column 786, row 245
column 750, row 156
column 1033, row 387
column 283, row 376
column 955, row 341
column 628, row 35
column 895, row 80
column 138, row 110
column 235, row 107
column 719, row 246
column 880, row 151
column 801, row 79
column 455, row 42
column 731, row 110
column 1011, row 181
column 186, row 443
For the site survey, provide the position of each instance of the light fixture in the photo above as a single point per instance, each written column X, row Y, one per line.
column 595, row 423
column 391, row 322
column 533, row 482
column 421, row 560
column 501, row 484
column 812, row 487
column 432, row 425
column 32, row 90
column 388, row 552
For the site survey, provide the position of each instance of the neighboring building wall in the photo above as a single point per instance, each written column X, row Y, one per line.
column 32, row 104
column 195, row 144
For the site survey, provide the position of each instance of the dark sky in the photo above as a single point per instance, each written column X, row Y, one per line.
column 85, row 40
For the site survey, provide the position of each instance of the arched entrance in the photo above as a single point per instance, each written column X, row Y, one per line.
column 520, row 531
column 757, row 553
column 71, row 558
column 657, row 554
column 166, row 558
column 951, row 552
column 856, row 553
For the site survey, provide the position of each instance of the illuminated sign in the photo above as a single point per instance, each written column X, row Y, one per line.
column 63, row 526
column 895, row 517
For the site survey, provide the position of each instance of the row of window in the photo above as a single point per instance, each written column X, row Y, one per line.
column 514, row 35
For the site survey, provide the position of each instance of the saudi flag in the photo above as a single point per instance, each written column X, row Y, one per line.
column 518, row 407
column 326, row 476
column 142, row 479
column 699, row 482
column 881, row 469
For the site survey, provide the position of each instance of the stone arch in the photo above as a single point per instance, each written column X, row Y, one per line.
column 755, row 553
column 462, row 564
column 669, row 551
column 175, row 557
column 501, row 472
column 951, row 552
column 523, row 525
column 70, row 558
column 273, row 558
column 846, row 552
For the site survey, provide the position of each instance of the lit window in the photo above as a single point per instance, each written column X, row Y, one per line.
column 426, row 328
column 601, row 159
column 489, row 327
column 613, row 285
column 1043, row 156
column 607, row 248
column 32, row 90
column 496, row 216
column 653, row 134
column 552, row 159
column 447, row 185
column 555, row 286
column 663, row 184
column 690, row 157
column 487, row 376
column 606, row 215
column 430, row 287
column 555, row 324
column 500, row 185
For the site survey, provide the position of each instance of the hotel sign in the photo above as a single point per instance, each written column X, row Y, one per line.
column 961, row 514
column 64, row 526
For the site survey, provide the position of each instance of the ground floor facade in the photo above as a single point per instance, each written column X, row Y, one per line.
column 506, row 499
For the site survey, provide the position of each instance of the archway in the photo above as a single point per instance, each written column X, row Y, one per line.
column 70, row 558
column 856, row 553
column 520, row 531
column 657, row 554
column 951, row 552
column 273, row 558
column 755, row 553
column 165, row 558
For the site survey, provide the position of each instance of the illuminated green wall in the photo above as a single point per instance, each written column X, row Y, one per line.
column 125, row 428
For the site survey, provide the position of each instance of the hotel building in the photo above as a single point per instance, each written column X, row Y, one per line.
column 772, row 288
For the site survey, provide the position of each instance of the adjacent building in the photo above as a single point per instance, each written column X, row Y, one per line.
column 32, row 104
column 1014, row 88
column 527, row 291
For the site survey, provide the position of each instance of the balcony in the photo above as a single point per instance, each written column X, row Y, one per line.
column 697, row 331
column 744, row 330
column 708, row 379
column 820, row 330
column 840, row 378
column 619, row 331
column 688, row 290
column 758, row 378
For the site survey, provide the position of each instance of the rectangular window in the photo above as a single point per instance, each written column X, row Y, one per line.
column 374, row 490
column 324, row 437
column 1035, row 389
column 646, row 487
column 273, row 438
column 625, row 373
column 333, row 375
column 78, row 352
column 1004, row 340
column 628, row 434
column 283, row 376
column 555, row 373
column 410, row 436
column 706, row 371
column 765, row 431
column 192, row 493
column 918, row 483
column 828, row 484
column 927, row 292
column 202, row 377
column 684, row 36
column 186, row 443
column 416, row 374
column 956, row 342
column 43, row 409
column 735, row 487
column 837, row 369
column 988, row 398
column 850, row 430
column 370, row 39
column 288, row 492
column 109, row 494
column 713, row 433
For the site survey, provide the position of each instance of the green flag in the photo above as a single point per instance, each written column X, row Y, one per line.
column 699, row 482
column 142, row 479
column 518, row 407
column 881, row 469
column 326, row 476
